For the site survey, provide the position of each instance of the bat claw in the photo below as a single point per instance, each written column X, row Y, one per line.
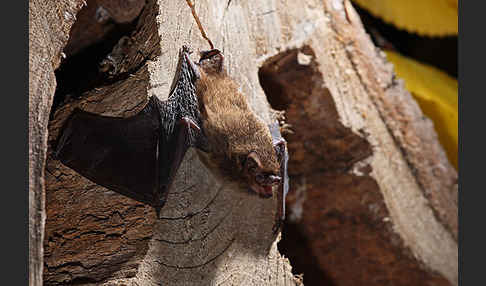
column 190, row 123
column 186, row 51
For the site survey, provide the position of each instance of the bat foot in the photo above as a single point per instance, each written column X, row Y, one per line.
column 211, row 61
column 286, row 129
column 208, row 54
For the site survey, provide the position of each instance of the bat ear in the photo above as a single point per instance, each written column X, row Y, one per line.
column 253, row 161
column 211, row 61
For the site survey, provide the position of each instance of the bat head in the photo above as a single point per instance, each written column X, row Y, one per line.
column 260, row 179
column 242, row 152
column 253, row 158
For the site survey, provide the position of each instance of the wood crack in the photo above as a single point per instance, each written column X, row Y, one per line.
column 198, row 265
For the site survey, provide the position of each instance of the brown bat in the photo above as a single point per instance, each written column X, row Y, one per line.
column 240, row 144
column 140, row 155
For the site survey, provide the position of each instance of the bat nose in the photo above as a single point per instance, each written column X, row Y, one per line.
column 274, row 179
column 267, row 179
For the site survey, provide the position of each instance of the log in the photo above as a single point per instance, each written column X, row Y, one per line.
column 383, row 211
column 372, row 191
column 49, row 25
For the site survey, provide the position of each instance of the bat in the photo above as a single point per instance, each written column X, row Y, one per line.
column 139, row 156
column 242, row 148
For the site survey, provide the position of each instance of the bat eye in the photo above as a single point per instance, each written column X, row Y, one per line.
column 260, row 178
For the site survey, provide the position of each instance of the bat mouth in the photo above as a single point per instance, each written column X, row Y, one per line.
column 264, row 184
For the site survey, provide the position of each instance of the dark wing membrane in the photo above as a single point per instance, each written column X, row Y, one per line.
column 117, row 153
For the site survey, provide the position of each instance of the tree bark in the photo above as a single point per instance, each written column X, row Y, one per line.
column 366, row 166
column 49, row 25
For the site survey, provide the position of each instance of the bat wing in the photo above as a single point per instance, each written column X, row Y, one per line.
column 137, row 156
column 117, row 153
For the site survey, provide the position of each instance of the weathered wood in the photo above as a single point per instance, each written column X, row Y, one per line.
column 378, row 185
column 49, row 25
column 393, row 218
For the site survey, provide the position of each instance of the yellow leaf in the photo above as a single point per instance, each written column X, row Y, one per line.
column 436, row 93
column 424, row 17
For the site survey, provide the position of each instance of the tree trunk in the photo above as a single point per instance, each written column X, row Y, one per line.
column 371, row 188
